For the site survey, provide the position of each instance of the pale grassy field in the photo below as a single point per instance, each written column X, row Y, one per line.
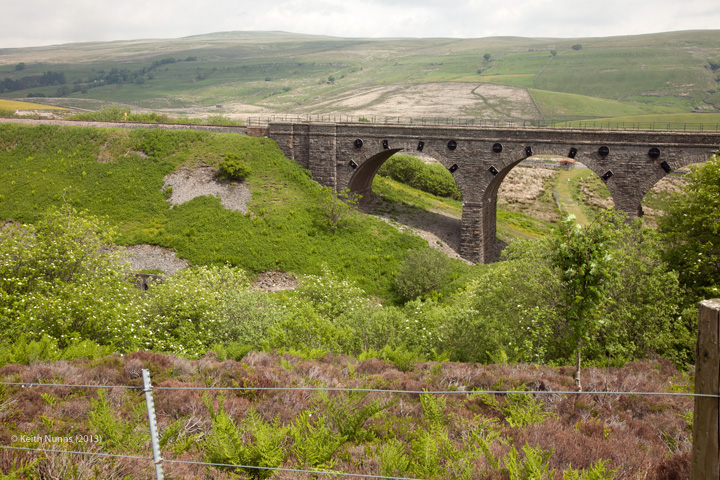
column 17, row 105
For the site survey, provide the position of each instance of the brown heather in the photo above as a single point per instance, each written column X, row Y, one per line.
column 642, row 436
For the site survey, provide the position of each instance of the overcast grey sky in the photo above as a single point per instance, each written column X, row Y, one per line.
column 46, row 22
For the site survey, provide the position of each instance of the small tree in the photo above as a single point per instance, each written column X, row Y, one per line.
column 583, row 257
column 577, row 46
column 487, row 57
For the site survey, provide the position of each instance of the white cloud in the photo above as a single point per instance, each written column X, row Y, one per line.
column 43, row 22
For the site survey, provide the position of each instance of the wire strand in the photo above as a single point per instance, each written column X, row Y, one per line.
column 375, row 390
column 70, row 385
column 76, row 452
column 444, row 392
column 293, row 470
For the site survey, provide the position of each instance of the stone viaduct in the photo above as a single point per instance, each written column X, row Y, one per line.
column 629, row 162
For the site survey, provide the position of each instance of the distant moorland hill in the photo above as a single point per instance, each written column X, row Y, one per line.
column 265, row 73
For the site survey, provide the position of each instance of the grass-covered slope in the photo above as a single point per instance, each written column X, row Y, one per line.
column 119, row 174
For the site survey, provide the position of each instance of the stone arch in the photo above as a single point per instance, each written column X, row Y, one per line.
column 491, row 246
column 333, row 153
column 362, row 178
column 647, row 182
column 359, row 178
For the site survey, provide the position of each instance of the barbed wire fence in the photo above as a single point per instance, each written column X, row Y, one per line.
column 158, row 461
column 706, row 420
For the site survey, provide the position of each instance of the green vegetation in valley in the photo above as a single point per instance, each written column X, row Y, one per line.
column 99, row 170
column 66, row 295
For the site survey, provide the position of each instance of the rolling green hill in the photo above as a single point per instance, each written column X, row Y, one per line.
column 243, row 73
column 118, row 175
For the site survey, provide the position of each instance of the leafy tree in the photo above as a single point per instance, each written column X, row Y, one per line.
column 430, row 178
column 577, row 46
column 691, row 229
column 508, row 312
column 642, row 313
column 583, row 257
column 487, row 57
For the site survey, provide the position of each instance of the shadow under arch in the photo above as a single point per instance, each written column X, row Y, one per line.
column 361, row 181
column 435, row 227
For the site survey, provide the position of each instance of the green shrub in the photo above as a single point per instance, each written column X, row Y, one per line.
column 394, row 462
column 186, row 313
column 52, row 275
column 423, row 271
column 231, row 351
column 329, row 313
column 314, row 442
column 115, row 432
column 336, row 208
column 234, row 167
column 348, row 412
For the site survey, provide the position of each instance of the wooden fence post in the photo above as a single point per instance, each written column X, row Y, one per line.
column 706, row 416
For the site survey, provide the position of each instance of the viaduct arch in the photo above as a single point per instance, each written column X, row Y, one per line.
column 630, row 162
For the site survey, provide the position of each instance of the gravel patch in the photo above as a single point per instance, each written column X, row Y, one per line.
column 154, row 257
column 188, row 183
column 275, row 281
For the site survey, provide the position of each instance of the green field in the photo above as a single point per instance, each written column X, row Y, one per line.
column 558, row 106
column 670, row 121
column 16, row 105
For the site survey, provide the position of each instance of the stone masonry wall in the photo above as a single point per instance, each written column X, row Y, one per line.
column 629, row 162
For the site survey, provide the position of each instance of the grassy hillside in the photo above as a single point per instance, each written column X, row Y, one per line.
column 118, row 174
column 272, row 72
